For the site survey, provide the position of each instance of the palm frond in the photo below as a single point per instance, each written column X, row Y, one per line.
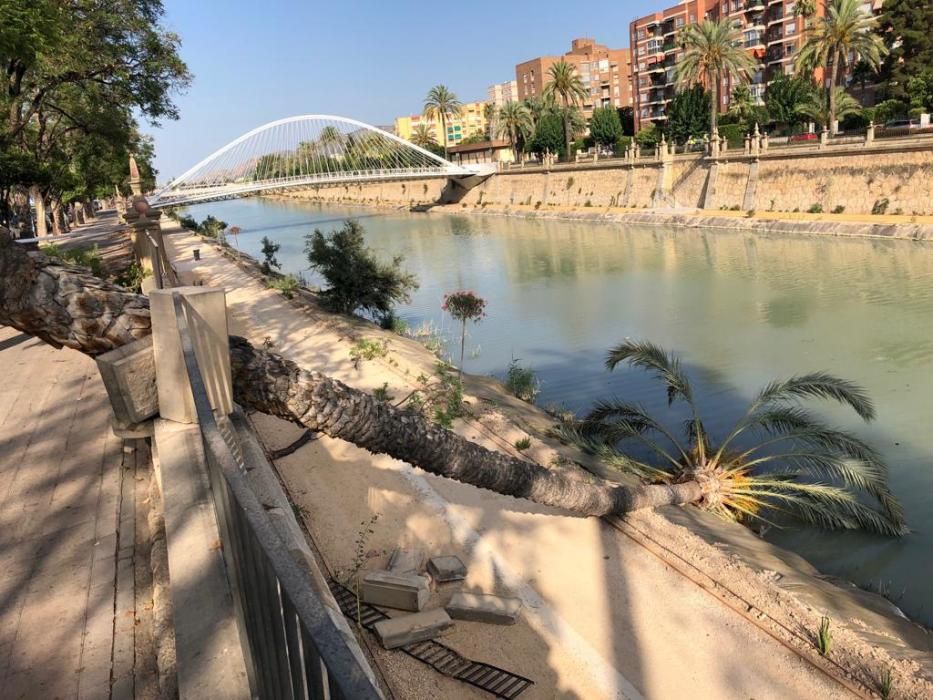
column 570, row 433
column 820, row 385
column 649, row 356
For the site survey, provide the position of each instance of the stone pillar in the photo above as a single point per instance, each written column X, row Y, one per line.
column 205, row 310
column 748, row 144
column 637, row 151
column 765, row 142
column 756, row 142
column 824, row 138
column 714, row 145
column 723, row 144
column 870, row 133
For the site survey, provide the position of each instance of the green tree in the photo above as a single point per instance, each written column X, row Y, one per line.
column 566, row 90
column 712, row 49
column 464, row 306
column 269, row 249
column 549, row 135
column 816, row 106
column 906, row 27
column 356, row 279
column 515, row 123
column 779, row 459
column 844, row 30
column 627, row 117
column 605, row 126
column 784, row 97
column 442, row 105
column 742, row 105
column 688, row 114
column 920, row 89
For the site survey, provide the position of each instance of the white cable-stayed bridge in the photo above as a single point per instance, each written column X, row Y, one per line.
column 306, row 151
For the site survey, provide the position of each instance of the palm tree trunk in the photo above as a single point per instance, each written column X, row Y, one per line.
column 714, row 110
column 444, row 134
column 67, row 306
column 42, row 228
column 832, row 93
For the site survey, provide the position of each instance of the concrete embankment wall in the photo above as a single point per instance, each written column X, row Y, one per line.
column 854, row 180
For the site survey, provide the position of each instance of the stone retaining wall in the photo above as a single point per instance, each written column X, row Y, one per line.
column 856, row 181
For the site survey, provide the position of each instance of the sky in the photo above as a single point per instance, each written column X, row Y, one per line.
column 255, row 61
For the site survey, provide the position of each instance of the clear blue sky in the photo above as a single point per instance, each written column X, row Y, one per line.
column 258, row 60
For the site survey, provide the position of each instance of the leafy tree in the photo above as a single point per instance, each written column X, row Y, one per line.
column 778, row 460
column 565, row 89
column 816, row 107
column 269, row 249
column 784, row 97
column 688, row 114
column 549, row 135
column 627, row 117
column 712, row 49
column 648, row 136
column 516, row 124
column 907, row 30
column 442, row 105
column 356, row 279
column 605, row 126
column 920, row 89
column 844, row 29
column 464, row 306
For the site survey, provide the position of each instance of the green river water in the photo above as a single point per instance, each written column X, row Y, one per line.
column 741, row 308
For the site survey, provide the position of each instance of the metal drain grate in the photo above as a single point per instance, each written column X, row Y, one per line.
column 440, row 657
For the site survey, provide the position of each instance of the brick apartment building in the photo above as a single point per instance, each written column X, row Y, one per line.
column 771, row 32
column 606, row 74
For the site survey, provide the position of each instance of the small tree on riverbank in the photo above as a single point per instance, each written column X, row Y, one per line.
column 464, row 306
column 269, row 249
column 356, row 279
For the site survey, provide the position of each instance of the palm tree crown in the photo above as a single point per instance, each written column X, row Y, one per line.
column 844, row 29
column 441, row 104
column 816, row 106
column 712, row 49
column 423, row 136
column 778, row 460
column 514, row 123
column 566, row 89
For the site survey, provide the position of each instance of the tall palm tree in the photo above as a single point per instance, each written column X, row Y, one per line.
column 565, row 89
column 816, row 106
column 844, row 29
column 423, row 135
column 712, row 50
column 779, row 460
column 441, row 105
column 515, row 124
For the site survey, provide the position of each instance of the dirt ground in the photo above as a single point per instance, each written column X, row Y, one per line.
column 609, row 612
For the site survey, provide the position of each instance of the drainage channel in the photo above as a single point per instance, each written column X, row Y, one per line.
column 440, row 657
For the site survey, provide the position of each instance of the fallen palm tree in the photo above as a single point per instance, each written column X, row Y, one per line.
column 66, row 306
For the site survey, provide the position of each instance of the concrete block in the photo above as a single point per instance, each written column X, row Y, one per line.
column 130, row 380
column 402, row 591
column 482, row 607
column 406, row 560
column 445, row 569
column 206, row 312
column 409, row 629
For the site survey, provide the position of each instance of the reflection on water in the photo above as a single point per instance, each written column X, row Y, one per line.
column 742, row 308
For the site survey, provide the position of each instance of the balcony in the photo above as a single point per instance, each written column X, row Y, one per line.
column 754, row 5
column 655, row 68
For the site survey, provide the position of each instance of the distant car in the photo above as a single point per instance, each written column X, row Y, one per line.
column 809, row 136
column 903, row 124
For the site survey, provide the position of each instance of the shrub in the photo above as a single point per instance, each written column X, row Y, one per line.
column 84, row 257
column 824, row 639
column 366, row 350
column 392, row 322
column 211, row 227
column 838, row 209
column 734, row 135
column 357, row 280
column 287, row 285
column 815, row 209
column 132, row 277
column 522, row 382
column 880, row 206
column 522, row 444
column 269, row 249
column 188, row 222
column 382, row 393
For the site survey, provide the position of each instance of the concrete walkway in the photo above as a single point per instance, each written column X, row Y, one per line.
column 67, row 581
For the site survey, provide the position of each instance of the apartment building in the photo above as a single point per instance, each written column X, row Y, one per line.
column 772, row 32
column 501, row 93
column 472, row 120
column 606, row 74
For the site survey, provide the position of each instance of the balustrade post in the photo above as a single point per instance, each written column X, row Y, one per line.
column 824, row 139
column 870, row 133
column 756, row 142
column 205, row 310
column 748, row 144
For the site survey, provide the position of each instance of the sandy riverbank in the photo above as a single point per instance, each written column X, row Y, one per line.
column 647, row 608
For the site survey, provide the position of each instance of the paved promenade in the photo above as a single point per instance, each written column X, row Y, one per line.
column 68, row 614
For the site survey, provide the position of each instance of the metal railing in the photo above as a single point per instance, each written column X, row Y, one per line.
column 293, row 648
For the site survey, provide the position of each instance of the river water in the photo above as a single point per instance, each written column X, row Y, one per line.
column 741, row 308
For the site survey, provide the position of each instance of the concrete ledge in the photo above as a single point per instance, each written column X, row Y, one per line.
column 210, row 661
column 408, row 629
column 129, row 378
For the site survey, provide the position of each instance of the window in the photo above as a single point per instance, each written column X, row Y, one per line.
column 790, row 30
